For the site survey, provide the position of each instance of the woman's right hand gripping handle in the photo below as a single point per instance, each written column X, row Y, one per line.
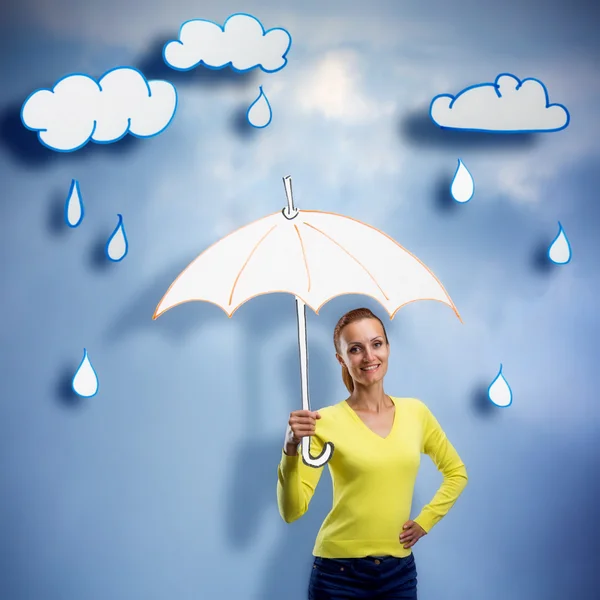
column 302, row 423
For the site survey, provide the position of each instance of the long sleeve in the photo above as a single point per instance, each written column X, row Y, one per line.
column 296, row 483
column 446, row 459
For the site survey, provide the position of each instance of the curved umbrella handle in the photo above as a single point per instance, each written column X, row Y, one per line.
column 315, row 461
column 307, row 458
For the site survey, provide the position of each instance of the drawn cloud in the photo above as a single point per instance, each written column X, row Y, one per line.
column 79, row 109
column 508, row 106
column 242, row 43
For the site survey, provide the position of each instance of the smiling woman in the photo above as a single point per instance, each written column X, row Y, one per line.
column 363, row 549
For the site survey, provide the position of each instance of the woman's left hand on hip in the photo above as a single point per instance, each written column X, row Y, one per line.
column 412, row 532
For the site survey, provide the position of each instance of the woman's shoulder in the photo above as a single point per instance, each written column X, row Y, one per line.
column 330, row 409
column 411, row 403
column 331, row 417
column 332, row 413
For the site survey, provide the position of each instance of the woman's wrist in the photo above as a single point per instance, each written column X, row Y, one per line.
column 290, row 449
column 290, row 443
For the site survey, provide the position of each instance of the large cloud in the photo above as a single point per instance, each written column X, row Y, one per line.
column 242, row 43
column 79, row 109
column 508, row 105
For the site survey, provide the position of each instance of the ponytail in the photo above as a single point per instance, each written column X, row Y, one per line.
column 346, row 377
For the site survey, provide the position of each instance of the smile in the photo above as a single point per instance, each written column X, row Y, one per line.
column 371, row 368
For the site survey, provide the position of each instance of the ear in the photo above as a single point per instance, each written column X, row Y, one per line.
column 340, row 359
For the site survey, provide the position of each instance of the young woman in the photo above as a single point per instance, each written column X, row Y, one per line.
column 363, row 549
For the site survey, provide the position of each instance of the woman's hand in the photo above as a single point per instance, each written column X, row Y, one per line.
column 302, row 423
column 412, row 532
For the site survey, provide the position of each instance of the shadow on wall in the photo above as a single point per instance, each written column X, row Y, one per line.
column 97, row 259
column 64, row 393
column 24, row 146
column 240, row 126
column 175, row 325
column 540, row 261
column 55, row 222
column 418, row 129
column 258, row 318
column 442, row 198
column 261, row 315
column 253, row 491
column 481, row 405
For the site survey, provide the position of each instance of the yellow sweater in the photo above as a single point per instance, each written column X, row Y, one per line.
column 373, row 479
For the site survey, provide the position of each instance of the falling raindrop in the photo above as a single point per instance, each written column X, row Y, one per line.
column 559, row 251
column 117, row 245
column 85, row 381
column 463, row 186
column 74, row 205
column 259, row 114
column 499, row 391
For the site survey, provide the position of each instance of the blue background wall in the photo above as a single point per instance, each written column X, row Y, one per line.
column 163, row 485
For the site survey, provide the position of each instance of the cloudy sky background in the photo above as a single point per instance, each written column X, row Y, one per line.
column 163, row 485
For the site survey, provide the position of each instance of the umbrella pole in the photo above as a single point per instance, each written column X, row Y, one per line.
column 325, row 455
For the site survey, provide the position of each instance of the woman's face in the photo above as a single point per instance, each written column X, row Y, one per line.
column 364, row 351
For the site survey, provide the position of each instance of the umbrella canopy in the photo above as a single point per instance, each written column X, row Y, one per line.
column 313, row 255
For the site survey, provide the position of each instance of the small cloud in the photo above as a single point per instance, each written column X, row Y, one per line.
column 242, row 43
column 79, row 109
column 508, row 105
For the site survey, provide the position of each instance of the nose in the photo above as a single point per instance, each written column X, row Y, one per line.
column 369, row 354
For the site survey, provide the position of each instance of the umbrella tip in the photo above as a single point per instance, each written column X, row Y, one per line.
column 291, row 211
column 457, row 314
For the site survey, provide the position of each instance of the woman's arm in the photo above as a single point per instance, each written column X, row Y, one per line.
column 296, row 482
column 448, row 462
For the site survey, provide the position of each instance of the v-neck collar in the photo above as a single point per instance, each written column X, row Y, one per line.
column 357, row 418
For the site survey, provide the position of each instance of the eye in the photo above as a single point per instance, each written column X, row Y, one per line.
column 378, row 344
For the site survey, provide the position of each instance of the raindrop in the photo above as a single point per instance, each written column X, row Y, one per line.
column 117, row 245
column 559, row 251
column 74, row 205
column 259, row 114
column 462, row 187
column 85, row 381
column 499, row 391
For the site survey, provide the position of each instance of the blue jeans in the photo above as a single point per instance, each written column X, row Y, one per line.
column 368, row 578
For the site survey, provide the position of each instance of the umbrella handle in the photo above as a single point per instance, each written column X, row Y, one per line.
column 315, row 461
column 307, row 458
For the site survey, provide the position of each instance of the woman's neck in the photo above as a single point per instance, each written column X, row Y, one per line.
column 369, row 399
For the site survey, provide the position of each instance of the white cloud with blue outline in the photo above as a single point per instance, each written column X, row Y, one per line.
column 241, row 43
column 79, row 109
column 508, row 105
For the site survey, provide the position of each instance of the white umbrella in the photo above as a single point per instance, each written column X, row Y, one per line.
column 313, row 255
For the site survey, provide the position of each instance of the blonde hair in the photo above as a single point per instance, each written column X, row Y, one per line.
column 358, row 314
